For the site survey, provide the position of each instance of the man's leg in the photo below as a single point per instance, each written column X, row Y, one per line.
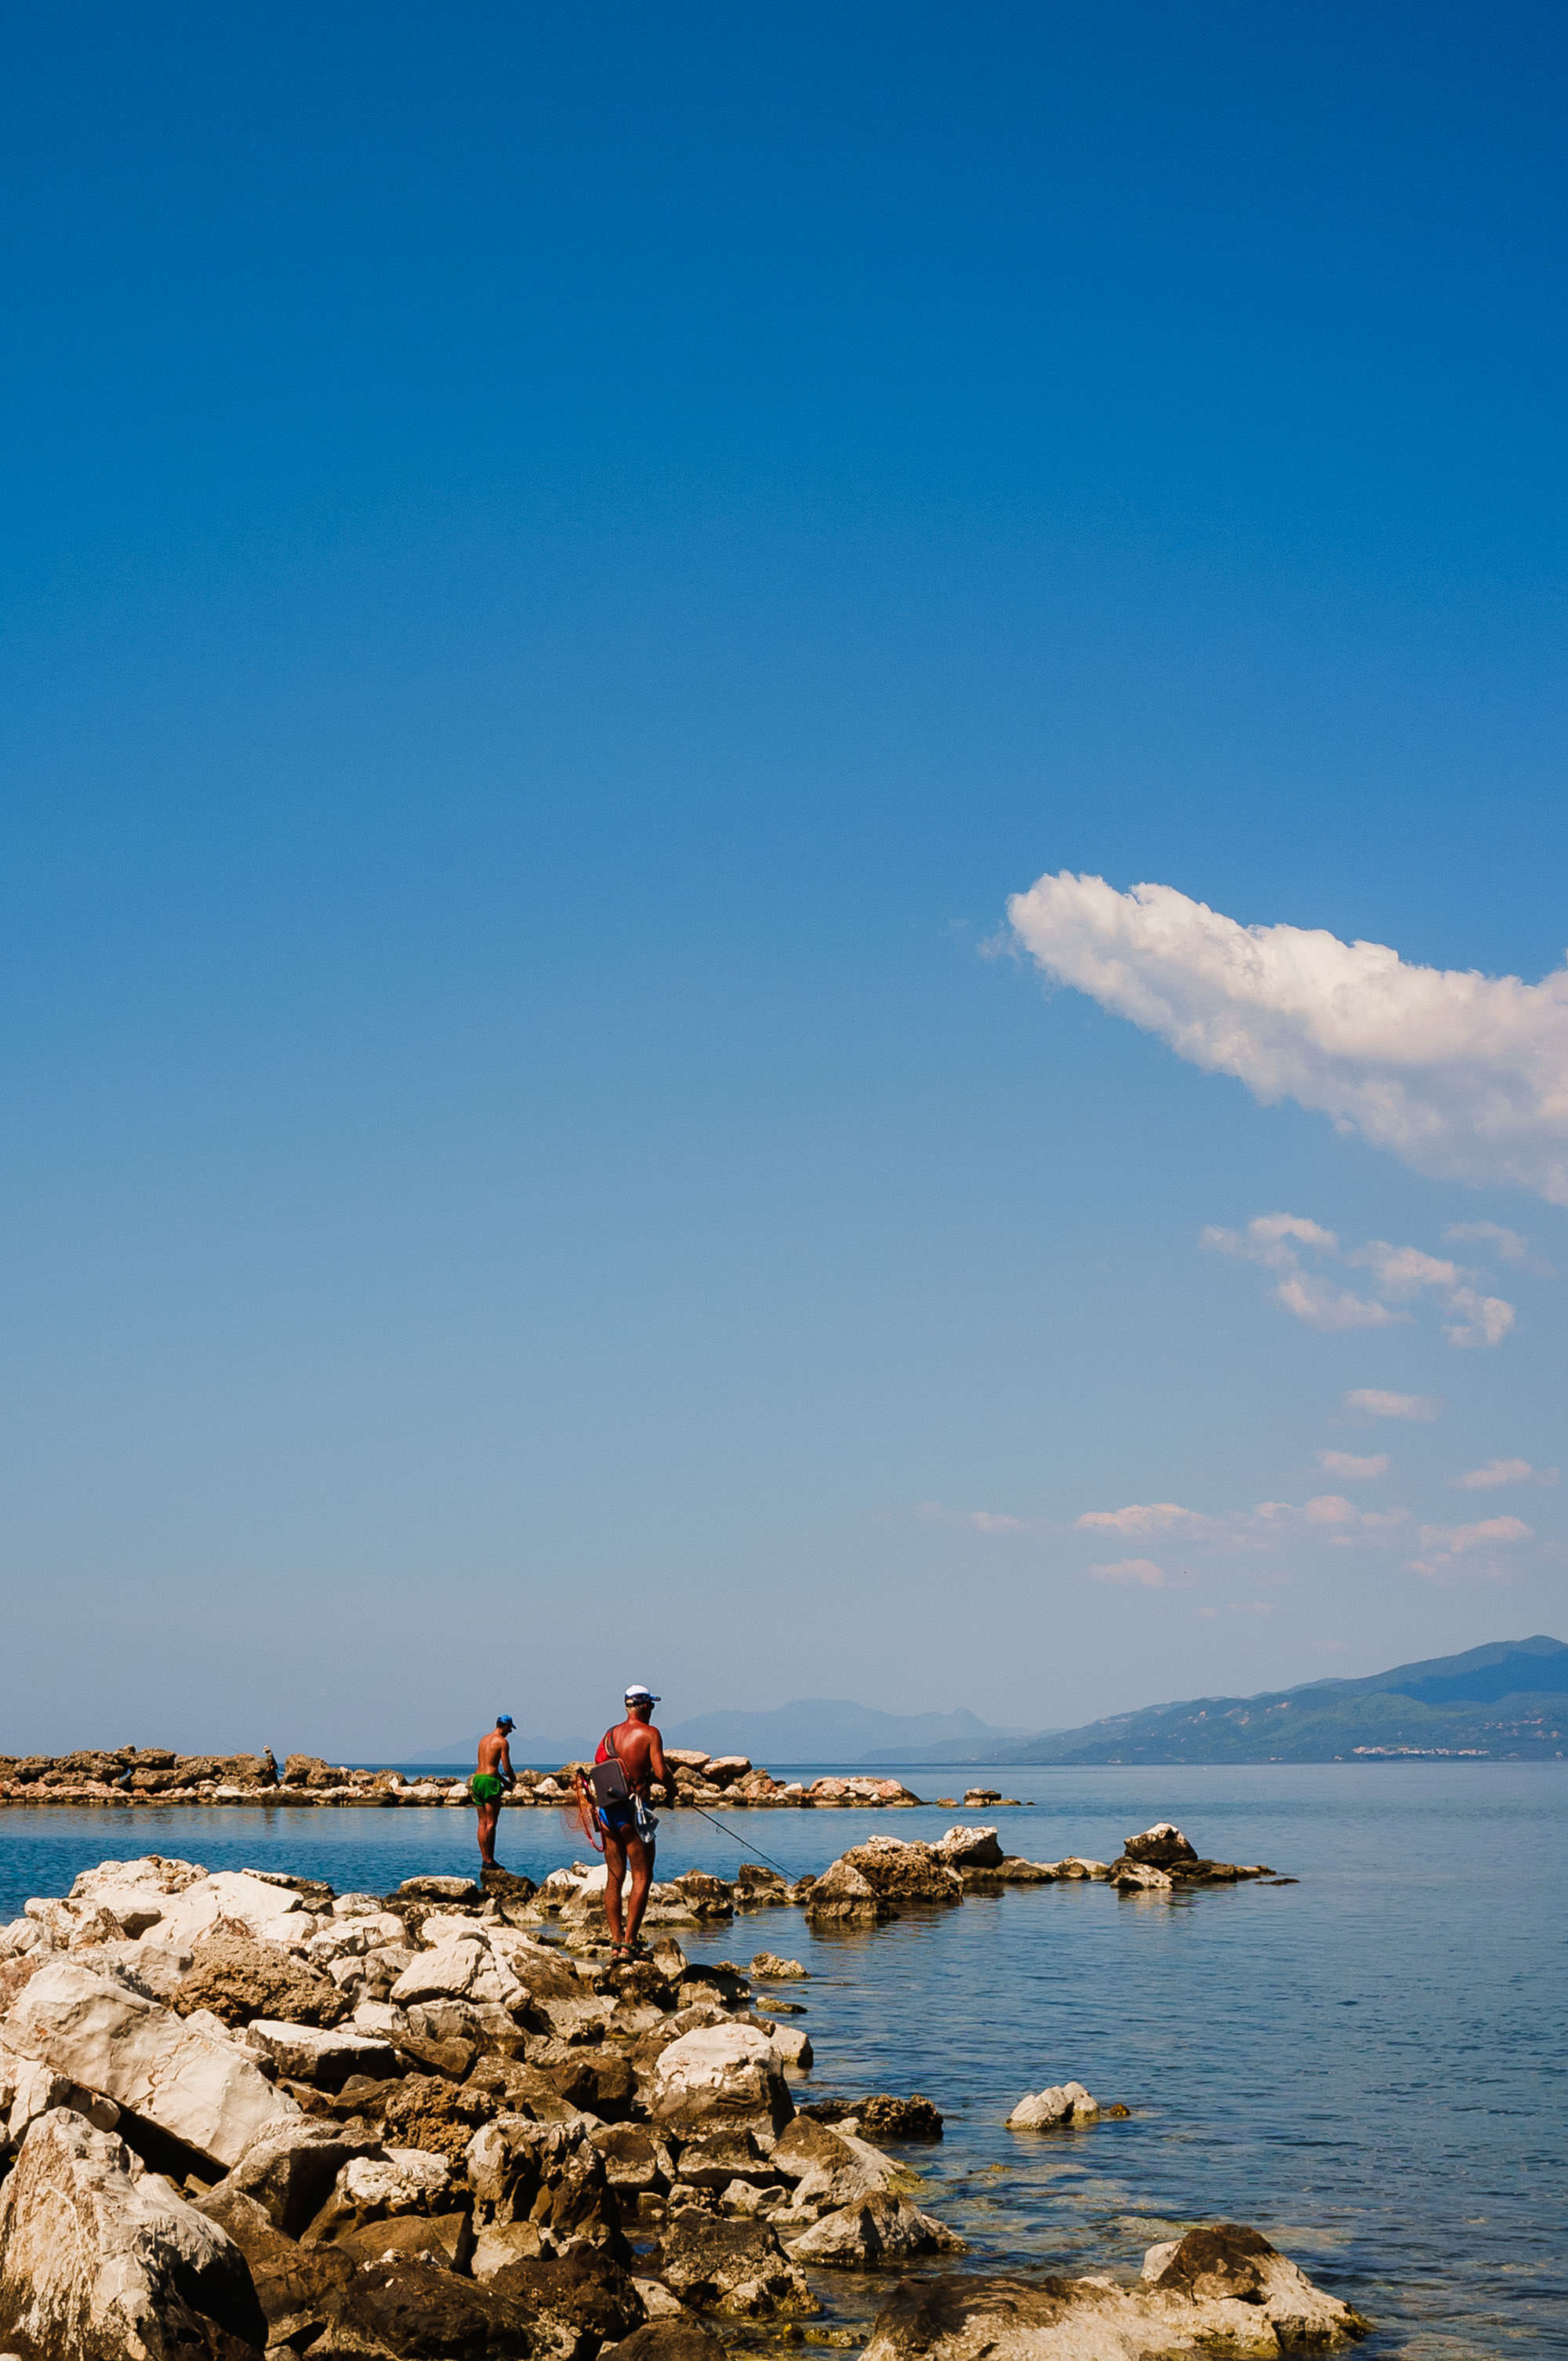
column 614, row 1879
column 488, row 1815
column 640, row 1855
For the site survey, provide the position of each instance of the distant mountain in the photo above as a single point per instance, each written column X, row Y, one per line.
column 1508, row 1699
column 834, row 1729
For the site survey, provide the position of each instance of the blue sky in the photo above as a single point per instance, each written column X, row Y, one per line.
column 558, row 575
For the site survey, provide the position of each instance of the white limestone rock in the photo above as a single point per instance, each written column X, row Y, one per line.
column 1062, row 2104
column 884, row 2228
column 722, row 2073
column 967, row 1848
column 307, row 2053
column 102, row 2260
column 179, row 2075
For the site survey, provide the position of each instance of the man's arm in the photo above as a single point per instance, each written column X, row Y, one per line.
column 504, row 1763
column 658, row 1767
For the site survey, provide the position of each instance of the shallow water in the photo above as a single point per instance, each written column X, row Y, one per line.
column 1371, row 2066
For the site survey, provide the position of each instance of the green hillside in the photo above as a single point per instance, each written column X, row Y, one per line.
column 1507, row 1701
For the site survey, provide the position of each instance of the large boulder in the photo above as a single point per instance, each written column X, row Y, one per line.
column 721, row 2074
column 1225, row 2292
column 186, row 2079
column 832, row 2169
column 906, row 1873
column 290, row 2173
column 547, row 2174
column 238, row 1978
column 101, row 2260
column 308, row 2053
column 420, row 2310
column 885, row 2228
column 965, row 1848
column 137, row 1893
column 844, row 1897
column 586, row 2290
column 1160, row 1847
column 233, row 1895
column 735, row 2268
column 299, row 2289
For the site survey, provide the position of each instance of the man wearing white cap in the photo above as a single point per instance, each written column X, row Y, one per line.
column 630, row 1758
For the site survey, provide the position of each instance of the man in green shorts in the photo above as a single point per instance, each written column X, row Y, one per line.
column 489, row 1783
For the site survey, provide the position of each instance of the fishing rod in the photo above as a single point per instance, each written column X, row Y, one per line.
column 744, row 1844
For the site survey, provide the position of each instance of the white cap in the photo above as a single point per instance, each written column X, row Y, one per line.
column 639, row 1692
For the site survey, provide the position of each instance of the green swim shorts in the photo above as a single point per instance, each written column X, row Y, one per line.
column 485, row 1788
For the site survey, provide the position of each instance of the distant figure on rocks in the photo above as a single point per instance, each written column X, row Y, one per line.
column 490, row 1782
column 630, row 1758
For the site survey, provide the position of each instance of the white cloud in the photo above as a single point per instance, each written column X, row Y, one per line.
column 1502, row 1471
column 1508, row 1243
column 1326, row 1518
column 1402, row 1270
column 1460, row 1074
column 979, row 1520
column 1140, row 1570
column 1323, row 1305
column 1276, row 1242
column 1444, row 1544
column 1379, row 1404
column 1483, row 1319
column 1158, row 1517
column 1352, row 1469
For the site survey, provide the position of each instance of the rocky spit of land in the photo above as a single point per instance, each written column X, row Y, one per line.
column 155, row 1774
column 243, row 2114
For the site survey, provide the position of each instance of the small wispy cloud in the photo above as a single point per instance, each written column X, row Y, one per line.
column 1507, row 1244
column 1498, row 1472
column 1155, row 1517
column 1276, row 1242
column 1142, row 1571
column 980, row 1521
column 1375, row 1403
column 1446, row 1546
column 1326, row 1517
column 1351, row 1469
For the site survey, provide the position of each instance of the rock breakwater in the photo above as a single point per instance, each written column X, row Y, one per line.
column 152, row 1774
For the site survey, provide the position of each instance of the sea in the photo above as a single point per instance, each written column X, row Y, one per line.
column 1370, row 2066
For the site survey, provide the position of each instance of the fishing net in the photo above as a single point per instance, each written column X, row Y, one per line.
column 578, row 1824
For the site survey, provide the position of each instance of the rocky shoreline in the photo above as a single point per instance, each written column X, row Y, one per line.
column 156, row 1775
column 241, row 2114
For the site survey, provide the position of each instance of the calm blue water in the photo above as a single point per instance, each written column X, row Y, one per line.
column 1371, row 2067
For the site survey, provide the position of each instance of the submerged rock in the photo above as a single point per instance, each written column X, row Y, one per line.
column 1063, row 2102
column 1224, row 2291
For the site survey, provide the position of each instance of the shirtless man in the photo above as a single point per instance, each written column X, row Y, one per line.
column 628, row 1826
column 489, row 1783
